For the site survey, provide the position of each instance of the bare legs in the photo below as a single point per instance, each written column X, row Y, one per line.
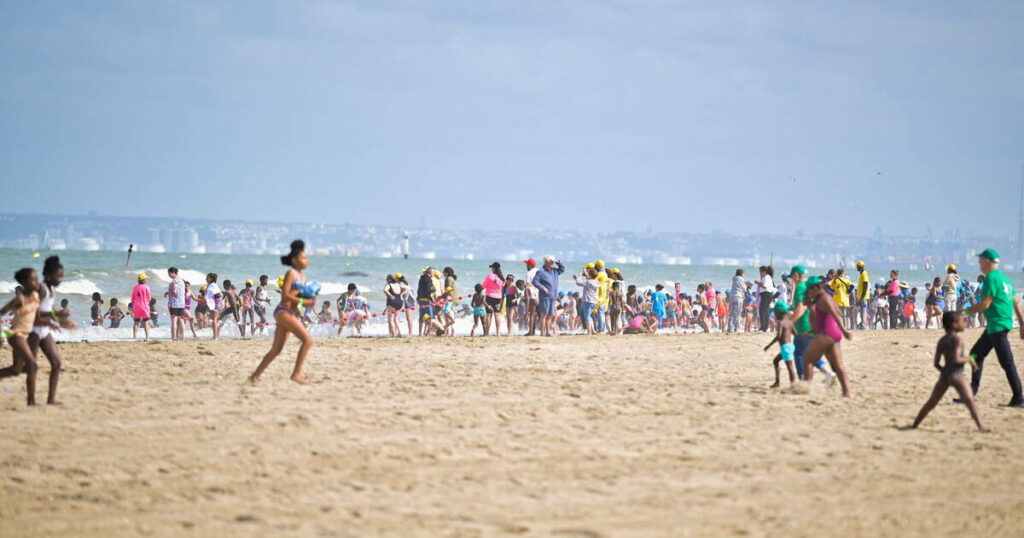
column 823, row 345
column 49, row 348
column 24, row 360
column 286, row 323
column 958, row 382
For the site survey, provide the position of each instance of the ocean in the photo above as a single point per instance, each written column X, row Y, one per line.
column 104, row 272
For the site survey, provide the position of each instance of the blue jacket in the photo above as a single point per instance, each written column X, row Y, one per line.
column 546, row 280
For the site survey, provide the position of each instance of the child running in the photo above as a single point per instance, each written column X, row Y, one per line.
column 951, row 347
column 47, row 319
column 286, row 314
column 784, row 335
column 829, row 332
column 25, row 306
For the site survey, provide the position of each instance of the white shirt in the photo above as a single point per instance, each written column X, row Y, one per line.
column 211, row 293
column 766, row 284
column 177, row 297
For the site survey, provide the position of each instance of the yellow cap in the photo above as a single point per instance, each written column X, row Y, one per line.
column 202, row 288
column 860, row 263
column 590, row 266
column 615, row 270
column 142, row 276
column 426, row 316
column 951, row 267
column 399, row 275
column 248, row 281
column 449, row 289
column 599, row 262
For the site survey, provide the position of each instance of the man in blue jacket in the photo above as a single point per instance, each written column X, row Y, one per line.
column 546, row 282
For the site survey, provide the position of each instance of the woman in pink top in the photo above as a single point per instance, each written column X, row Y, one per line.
column 140, row 306
column 492, row 297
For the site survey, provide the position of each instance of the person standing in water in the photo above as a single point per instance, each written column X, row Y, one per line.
column 262, row 300
column 41, row 339
column 999, row 303
column 140, row 307
column 176, row 304
column 287, row 313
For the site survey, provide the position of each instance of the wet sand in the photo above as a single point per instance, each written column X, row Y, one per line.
column 570, row 436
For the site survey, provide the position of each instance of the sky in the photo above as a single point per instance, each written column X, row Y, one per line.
column 744, row 117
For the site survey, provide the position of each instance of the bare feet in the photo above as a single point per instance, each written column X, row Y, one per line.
column 54, row 403
column 299, row 379
column 774, row 385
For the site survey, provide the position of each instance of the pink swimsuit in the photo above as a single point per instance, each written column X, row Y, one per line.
column 825, row 325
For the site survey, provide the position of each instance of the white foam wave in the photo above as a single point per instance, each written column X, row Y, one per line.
column 190, row 275
column 337, row 288
column 6, row 286
column 82, row 286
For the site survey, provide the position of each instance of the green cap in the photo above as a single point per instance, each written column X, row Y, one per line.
column 814, row 281
column 990, row 255
column 781, row 307
column 798, row 269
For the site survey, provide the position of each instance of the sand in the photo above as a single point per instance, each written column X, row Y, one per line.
column 667, row 435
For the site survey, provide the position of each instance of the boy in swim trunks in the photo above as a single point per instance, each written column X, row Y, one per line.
column 784, row 335
column 951, row 347
column 479, row 312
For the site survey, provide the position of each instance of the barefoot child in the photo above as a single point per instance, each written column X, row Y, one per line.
column 114, row 314
column 951, row 347
column 294, row 291
column 784, row 335
column 47, row 320
column 25, row 306
column 479, row 312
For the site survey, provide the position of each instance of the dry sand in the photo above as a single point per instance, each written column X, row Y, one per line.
column 569, row 436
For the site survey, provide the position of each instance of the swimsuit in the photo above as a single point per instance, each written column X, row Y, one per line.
column 479, row 311
column 25, row 316
column 787, row 351
column 46, row 305
column 825, row 325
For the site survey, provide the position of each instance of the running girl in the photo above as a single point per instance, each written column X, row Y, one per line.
column 53, row 275
column 286, row 314
column 25, row 306
column 951, row 347
column 828, row 334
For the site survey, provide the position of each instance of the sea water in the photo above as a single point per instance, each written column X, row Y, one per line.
column 106, row 273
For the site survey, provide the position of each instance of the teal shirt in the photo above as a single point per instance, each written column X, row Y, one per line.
column 998, row 316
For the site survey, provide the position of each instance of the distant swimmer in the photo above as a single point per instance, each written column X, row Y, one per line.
column 293, row 292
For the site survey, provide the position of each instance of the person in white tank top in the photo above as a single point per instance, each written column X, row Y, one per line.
column 47, row 320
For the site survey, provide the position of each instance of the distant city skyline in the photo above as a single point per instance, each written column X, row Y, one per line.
column 745, row 117
column 191, row 236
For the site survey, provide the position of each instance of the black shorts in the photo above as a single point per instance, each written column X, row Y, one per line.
column 494, row 303
column 177, row 312
column 140, row 320
column 233, row 311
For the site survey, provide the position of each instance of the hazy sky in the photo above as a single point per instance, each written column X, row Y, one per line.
column 740, row 116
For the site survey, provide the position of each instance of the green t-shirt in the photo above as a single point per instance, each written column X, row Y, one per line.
column 999, row 316
column 803, row 325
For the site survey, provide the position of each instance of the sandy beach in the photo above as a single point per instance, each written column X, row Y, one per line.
column 669, row 435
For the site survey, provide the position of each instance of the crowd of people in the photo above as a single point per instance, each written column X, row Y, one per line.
column 810, row 314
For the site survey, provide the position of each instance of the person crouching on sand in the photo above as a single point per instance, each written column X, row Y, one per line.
column 287, row 315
